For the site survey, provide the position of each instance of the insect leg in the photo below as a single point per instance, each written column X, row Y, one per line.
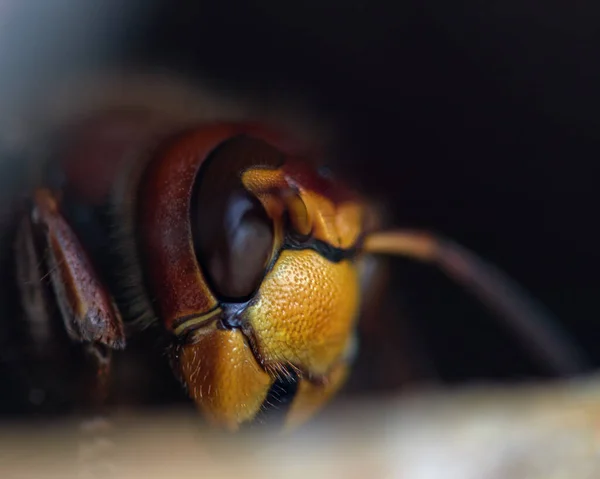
column 48, row 251
column 521, row 312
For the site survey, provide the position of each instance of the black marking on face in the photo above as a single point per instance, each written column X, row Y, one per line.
column 327, row 251
column 279, row 400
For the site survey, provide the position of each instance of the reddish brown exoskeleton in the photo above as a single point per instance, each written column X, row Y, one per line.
column 229, row 242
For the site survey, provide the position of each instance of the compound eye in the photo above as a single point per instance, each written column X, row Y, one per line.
column 237, row 250
column 233, row 235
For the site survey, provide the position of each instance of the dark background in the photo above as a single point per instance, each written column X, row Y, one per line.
column 477, row 120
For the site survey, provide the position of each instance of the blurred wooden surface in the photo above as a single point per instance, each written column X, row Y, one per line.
column 543, row 431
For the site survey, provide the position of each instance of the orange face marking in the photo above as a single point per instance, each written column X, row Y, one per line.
column 336, row 221
column 304, row 312
column 337, row 225
column 223, row 377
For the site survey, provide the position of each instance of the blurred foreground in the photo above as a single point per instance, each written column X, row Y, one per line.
column 485, row 433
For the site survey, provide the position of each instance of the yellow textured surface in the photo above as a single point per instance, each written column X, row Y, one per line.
column 224, row 378
column 305, row 311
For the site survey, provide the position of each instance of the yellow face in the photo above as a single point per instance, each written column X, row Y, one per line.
column 263, row 296
column 296, row 332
